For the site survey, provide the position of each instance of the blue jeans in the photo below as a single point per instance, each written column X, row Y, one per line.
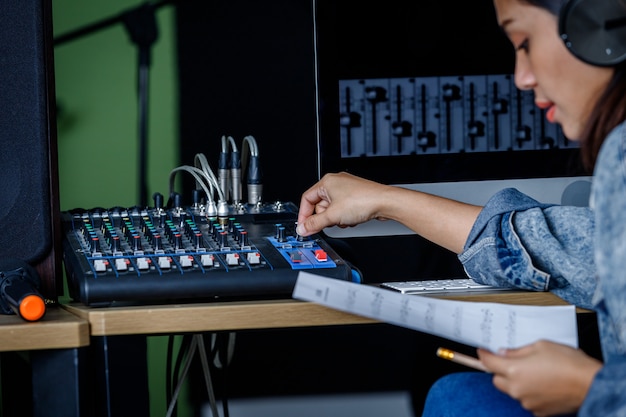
column 470, row 394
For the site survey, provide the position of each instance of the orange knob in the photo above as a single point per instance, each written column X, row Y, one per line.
column 32, row 308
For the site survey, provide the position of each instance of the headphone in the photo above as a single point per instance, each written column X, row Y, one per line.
column 595, row 30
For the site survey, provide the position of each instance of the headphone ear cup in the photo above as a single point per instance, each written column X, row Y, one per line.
column 595, row 30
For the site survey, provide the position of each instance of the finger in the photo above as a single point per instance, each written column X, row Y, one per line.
column 315, row 223
column 518, row 352
column 313, row 200
column 493, row 362
column 501, row 383
column 308, row 201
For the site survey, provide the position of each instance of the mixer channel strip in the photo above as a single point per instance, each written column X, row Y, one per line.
column 157, row 254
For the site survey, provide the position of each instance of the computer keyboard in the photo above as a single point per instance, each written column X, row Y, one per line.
column 439, row 285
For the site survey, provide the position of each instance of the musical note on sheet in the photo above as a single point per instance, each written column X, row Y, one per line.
column 487, row 325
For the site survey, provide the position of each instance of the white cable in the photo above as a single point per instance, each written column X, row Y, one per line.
column 195, row 172
column 200, row 164
column 203, row 174
column 224, row 144
column 251, row 142
column 233, row 144
column 200, row 159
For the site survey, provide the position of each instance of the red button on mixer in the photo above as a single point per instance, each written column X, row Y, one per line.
column 321, row 255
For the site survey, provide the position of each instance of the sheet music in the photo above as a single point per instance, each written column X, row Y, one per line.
column 488, row 325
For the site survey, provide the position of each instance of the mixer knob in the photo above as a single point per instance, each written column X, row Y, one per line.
column 177, row 201
column 96, row 220
column 157, row 242
column 197, row 240
column 161, row 219
column 276, row 231
column 299, row 238
column 180, row 218
column 223, row 239
column 158, row 200
column 243, row 239
column 178, row 241
column 197, row 197
column 282, row 234
column 94, row 243
column 135, row 242
column 116, row 220
column 115, row 243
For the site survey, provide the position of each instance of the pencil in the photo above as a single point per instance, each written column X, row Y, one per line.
column 461, row 358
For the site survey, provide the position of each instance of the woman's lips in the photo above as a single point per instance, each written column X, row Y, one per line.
column 550, row 113
column 549, row 107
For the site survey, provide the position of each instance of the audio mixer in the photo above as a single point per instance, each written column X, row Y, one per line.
column 164, row 254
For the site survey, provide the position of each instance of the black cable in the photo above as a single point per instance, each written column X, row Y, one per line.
column 173, row 378
column 222, row 352
column 168, row 370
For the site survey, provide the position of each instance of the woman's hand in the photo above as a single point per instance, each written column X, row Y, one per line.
column 339, row 200
column 547, row 378
column 346, row 200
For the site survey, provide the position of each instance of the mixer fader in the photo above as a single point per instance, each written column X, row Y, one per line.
column 166, row 254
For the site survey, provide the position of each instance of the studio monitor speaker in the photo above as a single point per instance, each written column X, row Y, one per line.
column 29, row 207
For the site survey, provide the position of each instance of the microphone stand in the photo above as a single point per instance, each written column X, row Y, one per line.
column 140, row 23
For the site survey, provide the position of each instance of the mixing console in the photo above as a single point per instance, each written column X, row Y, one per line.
column 172, row 254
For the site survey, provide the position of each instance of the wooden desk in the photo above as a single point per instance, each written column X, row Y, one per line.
column 242, row 315
column 58, row 329
column 51, row 346
column 115, row 329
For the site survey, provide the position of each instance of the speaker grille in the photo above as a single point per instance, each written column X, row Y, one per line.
column 24, row 187
column 28, row 176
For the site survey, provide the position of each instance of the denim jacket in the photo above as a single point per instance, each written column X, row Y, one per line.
column 577, row 253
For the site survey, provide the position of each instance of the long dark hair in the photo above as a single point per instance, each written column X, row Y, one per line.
column 609, row 111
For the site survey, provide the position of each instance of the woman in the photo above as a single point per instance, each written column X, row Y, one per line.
column 577, row 253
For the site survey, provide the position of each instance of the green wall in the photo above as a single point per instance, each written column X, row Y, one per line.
column 96, row 85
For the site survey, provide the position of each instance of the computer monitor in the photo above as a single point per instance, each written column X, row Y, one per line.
column 421, row 94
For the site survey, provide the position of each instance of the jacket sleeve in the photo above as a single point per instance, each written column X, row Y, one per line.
column 606, row 395
column 519, row 242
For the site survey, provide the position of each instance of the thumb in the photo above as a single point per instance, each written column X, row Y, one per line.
column 312, row 224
